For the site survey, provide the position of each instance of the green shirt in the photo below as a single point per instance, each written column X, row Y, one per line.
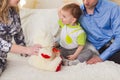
column 71, row 36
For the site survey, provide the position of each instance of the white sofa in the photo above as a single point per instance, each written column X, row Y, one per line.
column 46, row 19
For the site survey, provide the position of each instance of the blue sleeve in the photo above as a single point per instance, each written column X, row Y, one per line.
column 115, row 26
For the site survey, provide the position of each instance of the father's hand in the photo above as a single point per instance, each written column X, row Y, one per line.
column 94, row 60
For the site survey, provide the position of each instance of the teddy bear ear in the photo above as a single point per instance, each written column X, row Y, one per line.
column 55, row 50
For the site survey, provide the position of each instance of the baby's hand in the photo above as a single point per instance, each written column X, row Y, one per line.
column 72, row 57
column 56, row 45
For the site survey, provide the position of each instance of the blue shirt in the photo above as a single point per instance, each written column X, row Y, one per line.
column 102, row 26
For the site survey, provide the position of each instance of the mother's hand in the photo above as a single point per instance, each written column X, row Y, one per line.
column 34, row 50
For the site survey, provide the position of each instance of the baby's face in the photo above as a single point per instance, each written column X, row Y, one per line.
column 66, row 17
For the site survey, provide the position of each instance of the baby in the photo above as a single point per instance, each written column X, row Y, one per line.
column 72, row 36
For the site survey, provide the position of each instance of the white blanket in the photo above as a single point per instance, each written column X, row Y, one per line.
column 19, row 69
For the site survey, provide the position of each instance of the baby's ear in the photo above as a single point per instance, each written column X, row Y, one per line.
column 74, row 20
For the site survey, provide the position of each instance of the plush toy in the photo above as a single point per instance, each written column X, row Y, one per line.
column 48, row 57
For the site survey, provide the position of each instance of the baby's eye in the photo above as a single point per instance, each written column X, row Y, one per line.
column 64, row 16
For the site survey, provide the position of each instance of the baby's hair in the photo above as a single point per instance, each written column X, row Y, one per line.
column 74, row 9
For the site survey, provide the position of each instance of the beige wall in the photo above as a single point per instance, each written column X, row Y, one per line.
column 51, row 4
column 47, row 3
column 78, row 1
column 117, row 1
column 42, row 3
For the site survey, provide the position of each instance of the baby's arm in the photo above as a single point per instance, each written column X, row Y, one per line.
column 76, row 54
column 81, row 40
column 56, row 44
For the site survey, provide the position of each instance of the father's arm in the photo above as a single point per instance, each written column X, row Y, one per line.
column 115, row 25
